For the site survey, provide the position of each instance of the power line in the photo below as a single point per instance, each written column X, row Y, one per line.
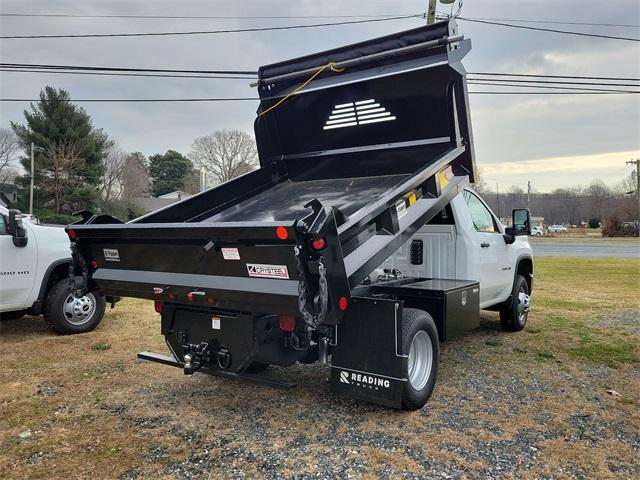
column 125, row 74
column 550, row 93
column 194, row 17
column 134, row 100
column 555, row 87
column 510, row 80
column 208, row 32
column 548, row 30
column 502, row 74
column 125, row 69
column 159, row 100
column 553, row 22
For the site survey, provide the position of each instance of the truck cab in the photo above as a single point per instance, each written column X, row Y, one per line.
column 34, row 269
column 467, row 240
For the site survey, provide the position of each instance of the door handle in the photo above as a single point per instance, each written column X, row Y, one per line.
column 485, row 245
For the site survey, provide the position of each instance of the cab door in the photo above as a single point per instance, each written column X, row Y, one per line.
column 496, row 275
column 17, row 268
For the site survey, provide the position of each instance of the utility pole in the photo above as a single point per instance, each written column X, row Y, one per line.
column 431, row 11
column 31, row 189
column 528, row 193
column 636, row 162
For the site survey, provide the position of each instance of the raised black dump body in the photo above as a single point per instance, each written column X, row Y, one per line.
column 357, row 160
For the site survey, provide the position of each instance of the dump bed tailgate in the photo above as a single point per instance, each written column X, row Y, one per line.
column 232, row 266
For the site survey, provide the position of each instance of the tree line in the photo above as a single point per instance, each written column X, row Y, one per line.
column 78, row 166
column 588, row 205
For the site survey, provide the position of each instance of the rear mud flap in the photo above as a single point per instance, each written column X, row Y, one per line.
column 368, row 363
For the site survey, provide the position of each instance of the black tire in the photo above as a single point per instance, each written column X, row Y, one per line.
column 12, row 315
column 58, row 304
column 511, row 316
column 413, row 322
column 256, row 367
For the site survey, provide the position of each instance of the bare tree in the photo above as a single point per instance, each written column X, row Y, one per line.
column 8, row 149
column 111, row 185
column 225, row 154
column 135, row 177
column 64, row 159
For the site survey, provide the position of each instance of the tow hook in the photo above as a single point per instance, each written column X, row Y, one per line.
column 195, row 356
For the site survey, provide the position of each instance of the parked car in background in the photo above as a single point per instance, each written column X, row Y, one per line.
column 536, row 231
column 34, row 276
column 556, row 229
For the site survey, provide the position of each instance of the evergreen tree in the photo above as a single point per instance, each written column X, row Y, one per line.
column 169, row 172
column 69, row 152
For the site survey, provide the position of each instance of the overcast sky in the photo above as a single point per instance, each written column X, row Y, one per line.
column 552, row 140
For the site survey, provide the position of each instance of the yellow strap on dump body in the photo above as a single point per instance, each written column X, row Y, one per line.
column 330, row 65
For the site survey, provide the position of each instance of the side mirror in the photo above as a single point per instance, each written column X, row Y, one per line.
column 521, row 221
column 16, row 229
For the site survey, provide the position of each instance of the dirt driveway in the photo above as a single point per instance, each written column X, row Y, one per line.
column 558, row 400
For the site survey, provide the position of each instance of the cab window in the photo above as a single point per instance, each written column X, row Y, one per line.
column 480, row 215
column 3, row 225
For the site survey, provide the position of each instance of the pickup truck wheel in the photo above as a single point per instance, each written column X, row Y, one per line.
column 420, row 341
column 66, row 314
column 513, row 316
column 256, row 367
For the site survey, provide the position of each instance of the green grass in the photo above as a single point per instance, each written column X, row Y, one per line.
column 572, row 298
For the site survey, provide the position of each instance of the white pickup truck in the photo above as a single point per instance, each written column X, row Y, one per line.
column 468, row 241
column 34, row 270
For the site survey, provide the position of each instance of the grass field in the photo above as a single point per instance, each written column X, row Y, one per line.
column 559, row 400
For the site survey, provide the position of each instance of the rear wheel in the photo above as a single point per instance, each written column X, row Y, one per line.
column 66, row 314
column 513, row 315
column 420, row 341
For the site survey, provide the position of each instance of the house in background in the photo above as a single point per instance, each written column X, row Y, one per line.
column 8, row 194
column 149, row 204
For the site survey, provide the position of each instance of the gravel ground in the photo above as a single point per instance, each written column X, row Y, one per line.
column 506, row 406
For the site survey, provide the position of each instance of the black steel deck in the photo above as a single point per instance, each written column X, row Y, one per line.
column 286, row 200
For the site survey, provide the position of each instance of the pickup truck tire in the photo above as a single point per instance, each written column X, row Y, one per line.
column 256, row 367
column 513, row 315
column 66, row 314
column 420, row 342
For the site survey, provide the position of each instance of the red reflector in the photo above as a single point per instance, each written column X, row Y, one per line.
column 319, row 244
column 158, row 306
column 211, row 301
column 94, row 264
column 287, row 323
column 190, row 296
column 282, row 233
column 342, row 303
column 71, row 233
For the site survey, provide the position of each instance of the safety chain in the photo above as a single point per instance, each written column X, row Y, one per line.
column 310, row 319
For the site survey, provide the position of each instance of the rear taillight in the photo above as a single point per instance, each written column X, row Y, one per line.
column 158, row 305
column 282, row 233
column 287, row 323
column 72, row 233
column 319, row 244
column 94, row 264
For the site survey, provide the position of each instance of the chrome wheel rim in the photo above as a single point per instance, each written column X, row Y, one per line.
column 79, row 310
column 420, row 360
column 524, row 305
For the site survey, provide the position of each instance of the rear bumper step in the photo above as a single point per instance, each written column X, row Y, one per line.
column 243, row 377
